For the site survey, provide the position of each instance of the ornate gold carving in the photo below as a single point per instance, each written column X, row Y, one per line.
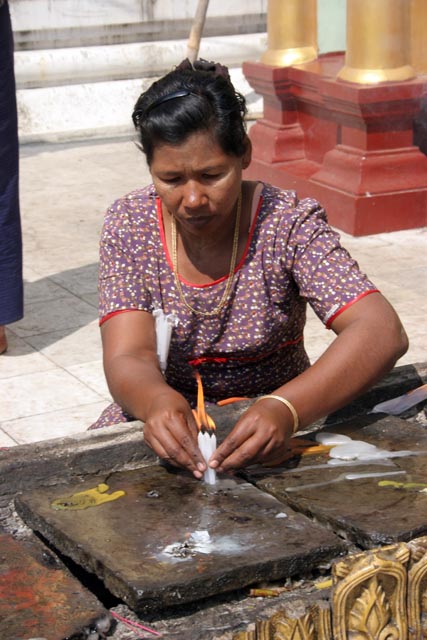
column 287, row 628
column 313, row 623
column 371, row 616
column 323, row 620
column 379, row 594
column 244, row 635
column 397, row 552
column 369, row 597
column 417, row 589
column 262, row 630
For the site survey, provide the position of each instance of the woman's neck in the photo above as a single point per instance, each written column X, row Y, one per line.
column 206, row 258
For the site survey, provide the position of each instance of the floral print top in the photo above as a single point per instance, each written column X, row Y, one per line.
column 256, row 342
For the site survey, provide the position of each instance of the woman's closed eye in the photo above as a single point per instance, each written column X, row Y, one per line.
column 211, row 176
column 205, row 177
column 171, row 179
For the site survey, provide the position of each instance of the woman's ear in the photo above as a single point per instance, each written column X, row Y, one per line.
column 247, row 156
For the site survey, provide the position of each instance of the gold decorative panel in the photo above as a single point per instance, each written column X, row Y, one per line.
column 369, row 596
column 379, row 594
column 313, row 623
column 417, row 589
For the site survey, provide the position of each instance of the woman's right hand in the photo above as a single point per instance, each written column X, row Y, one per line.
column 136, row 384
column 170, row 430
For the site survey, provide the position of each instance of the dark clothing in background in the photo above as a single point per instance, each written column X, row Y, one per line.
column 11, row 285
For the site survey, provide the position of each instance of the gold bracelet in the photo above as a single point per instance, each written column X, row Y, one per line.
column 287, row 404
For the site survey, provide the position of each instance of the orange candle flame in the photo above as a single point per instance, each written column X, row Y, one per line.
column 203, row 420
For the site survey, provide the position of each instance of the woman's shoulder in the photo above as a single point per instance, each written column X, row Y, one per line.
column 287, row 198
column 136, row 200
column 276, row 197
column 287, row 208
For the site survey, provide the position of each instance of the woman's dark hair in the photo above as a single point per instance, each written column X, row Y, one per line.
column 191, row 98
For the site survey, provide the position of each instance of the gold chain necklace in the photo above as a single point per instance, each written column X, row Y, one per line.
column 227, row 289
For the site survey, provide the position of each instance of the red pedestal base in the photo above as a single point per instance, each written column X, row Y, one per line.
column 350, row 146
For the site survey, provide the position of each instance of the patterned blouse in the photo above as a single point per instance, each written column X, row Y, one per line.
column 256, row 342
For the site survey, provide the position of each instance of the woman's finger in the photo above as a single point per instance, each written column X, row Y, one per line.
column 236, row 454
column 245, row 455
column 175, row 442
column 165, row 455
column 185, row 433
column 257, row 437
column 232, row 442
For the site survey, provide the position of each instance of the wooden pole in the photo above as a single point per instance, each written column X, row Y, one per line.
column 197, row 30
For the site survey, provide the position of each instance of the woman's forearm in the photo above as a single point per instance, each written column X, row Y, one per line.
column 134, row 381
column 364, row 350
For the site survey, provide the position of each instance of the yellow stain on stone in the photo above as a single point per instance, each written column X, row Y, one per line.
column 86, row 499
column 402, row 485
column 324, row 584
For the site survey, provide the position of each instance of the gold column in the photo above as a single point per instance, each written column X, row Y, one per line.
column 292, row 32
column 377, row 42
column 418, row 37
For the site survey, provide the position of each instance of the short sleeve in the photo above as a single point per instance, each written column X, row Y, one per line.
column 323, row 270
column 121, row 274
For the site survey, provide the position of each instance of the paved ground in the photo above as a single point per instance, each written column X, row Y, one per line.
column 51, row 379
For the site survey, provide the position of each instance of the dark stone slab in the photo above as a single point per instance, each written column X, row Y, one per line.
column 66, row 459
column 398, row 381
column 140, row 545
column 61, row 460
column 360, row 509
column 40, row 598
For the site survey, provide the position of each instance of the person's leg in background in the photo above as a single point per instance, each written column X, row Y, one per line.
column 11, row 283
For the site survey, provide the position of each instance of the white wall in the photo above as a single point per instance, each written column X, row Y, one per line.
column 39, row 16
column 48, row 14
column 331, row 31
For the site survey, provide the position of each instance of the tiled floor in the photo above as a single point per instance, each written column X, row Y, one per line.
column 51, row 379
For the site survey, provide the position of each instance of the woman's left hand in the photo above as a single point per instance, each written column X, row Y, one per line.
column 259, row 436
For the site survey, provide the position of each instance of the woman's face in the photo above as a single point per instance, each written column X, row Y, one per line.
column 198, row 182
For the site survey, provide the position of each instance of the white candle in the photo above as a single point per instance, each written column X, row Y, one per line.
column 207, row 445
column 164, row 326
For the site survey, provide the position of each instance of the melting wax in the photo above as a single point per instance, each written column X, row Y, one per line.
column 326, row 438
column 85, row 499
column 352, row 450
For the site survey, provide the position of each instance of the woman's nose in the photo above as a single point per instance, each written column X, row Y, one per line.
column 193, row 195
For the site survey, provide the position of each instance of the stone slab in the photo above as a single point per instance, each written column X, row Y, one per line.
column 66, row 459
column 142, row 544
column 40, row 598
column 360, row 509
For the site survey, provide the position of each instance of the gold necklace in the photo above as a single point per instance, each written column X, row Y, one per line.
column 227, row 289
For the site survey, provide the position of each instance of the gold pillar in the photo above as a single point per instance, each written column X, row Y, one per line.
column 377, row 42
column 292, row 32
column 418, row 28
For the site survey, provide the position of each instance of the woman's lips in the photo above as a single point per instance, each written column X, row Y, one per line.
column 198, row 221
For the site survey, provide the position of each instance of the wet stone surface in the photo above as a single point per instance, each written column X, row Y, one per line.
column 171, row 539
column 40, row 598
column 389, row 506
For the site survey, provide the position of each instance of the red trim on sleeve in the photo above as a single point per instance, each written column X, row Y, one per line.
column 346, row 306
column 114, row 313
